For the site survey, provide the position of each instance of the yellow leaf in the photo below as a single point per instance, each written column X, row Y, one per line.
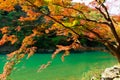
column 38, row 3
column 69, row 24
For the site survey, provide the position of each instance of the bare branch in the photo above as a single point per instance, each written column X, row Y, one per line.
column 111, row 24
column 102, row 13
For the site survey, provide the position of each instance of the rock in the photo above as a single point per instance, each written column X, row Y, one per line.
column 93, row 78
column 116, row 79
column 112, row 73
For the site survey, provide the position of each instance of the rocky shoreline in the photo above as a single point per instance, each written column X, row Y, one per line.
column 111, row 73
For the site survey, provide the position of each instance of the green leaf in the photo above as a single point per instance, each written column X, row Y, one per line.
column 44, row 9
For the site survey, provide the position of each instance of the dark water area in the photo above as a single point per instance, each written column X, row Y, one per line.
column 74, row 66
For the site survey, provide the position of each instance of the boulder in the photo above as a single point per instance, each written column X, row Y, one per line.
column 112, row 73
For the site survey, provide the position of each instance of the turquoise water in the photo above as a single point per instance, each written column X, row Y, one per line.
column 74, row 66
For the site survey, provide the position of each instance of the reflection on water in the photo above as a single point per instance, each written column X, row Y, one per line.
column 74, row 66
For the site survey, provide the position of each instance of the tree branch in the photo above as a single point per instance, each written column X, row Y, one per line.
column 107, row 17
column 111, row 25
column 99, row 9
column 112, row 49
column 53, row 18
column 63, row 24
column 87, row 19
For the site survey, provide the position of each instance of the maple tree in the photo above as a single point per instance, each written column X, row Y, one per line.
column 74, row 21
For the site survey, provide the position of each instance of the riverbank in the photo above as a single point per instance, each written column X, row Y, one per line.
column 7, row 48
column 11, row 48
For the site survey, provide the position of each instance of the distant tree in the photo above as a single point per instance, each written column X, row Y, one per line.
column 74, row 21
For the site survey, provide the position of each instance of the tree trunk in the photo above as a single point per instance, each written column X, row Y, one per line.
column 115, row 51
column 118, row 56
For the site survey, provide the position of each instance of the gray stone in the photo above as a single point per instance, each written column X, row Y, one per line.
column 116, row 79
column 112, row 73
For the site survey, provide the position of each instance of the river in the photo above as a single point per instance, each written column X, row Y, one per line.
column 75, row 66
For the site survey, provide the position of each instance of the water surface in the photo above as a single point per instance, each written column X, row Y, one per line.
column 74, row 66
